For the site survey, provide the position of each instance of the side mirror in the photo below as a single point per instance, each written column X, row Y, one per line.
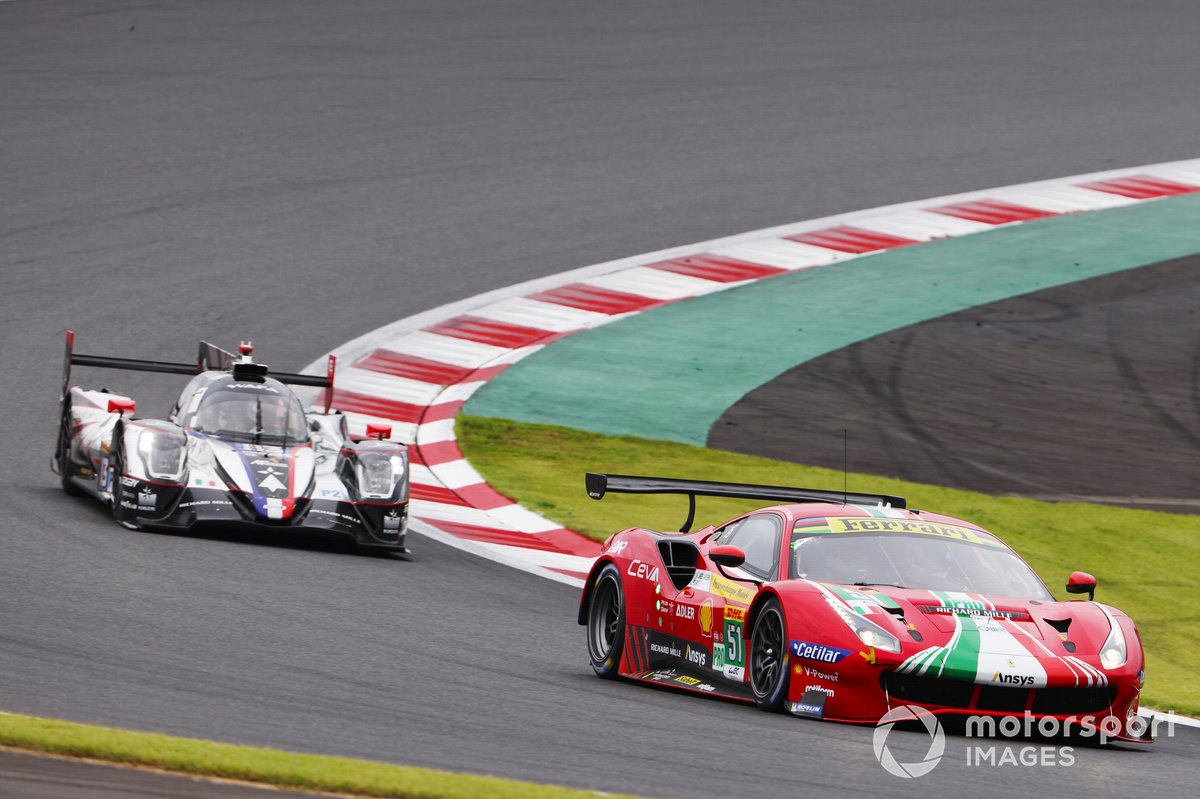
column 1082, row 583
column 121, row 405
column 727, row 555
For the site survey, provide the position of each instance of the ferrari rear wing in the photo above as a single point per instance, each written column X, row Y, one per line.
column 600, row 484
column 210, row 358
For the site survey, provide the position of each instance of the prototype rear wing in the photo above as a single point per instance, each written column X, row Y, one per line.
column 600, row 484
column 209, row 358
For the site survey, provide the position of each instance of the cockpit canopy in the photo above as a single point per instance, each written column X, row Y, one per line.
column 251, row 412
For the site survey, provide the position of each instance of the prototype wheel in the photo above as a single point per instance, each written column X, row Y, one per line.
column 769, row 658
column 62, row 451
column 116, row 470
column 606, row 623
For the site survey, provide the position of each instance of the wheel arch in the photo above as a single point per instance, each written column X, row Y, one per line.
column 586, row 596
column 797, row 600
column 756, row 606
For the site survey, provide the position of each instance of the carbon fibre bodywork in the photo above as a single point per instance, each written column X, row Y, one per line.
column 202, row 466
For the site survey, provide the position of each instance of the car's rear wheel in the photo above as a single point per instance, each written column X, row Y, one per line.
column 606, row 622
column 769, row 658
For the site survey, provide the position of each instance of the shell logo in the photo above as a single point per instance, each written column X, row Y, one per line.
column 706, row 616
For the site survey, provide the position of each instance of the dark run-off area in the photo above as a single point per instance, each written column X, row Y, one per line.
column 1086, row 390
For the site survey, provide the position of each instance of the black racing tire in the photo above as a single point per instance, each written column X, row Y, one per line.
column 117, row 469
column 768, row 657
column 606, row 622
column 62, row 451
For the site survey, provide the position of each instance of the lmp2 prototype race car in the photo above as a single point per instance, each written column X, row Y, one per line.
column 237, row 449
column 846, row 606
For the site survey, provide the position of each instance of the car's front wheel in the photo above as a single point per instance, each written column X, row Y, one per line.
column 606, row 622
column 769, row 657
column 117, row 470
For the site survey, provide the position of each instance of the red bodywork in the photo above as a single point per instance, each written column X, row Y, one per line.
column 691, row 628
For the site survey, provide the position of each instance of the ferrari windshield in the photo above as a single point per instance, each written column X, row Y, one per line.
column 914, row 561
column 255, row 413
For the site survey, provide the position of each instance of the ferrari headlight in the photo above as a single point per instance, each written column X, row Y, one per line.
column 162, row 456
column 1113, row 653
column 867, row 631
column 874, row 638
column 378, row 474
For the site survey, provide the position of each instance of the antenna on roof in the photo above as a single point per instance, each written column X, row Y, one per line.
column 845, row 465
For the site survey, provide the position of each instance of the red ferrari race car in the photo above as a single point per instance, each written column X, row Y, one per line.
column 844, row 606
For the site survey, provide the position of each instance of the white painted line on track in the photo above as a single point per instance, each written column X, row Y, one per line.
column 461, row 392
column 916, row 223
column 381, row 385
column 458, row 474
column 435, row 432
column 1175, row 718
column 655, row 283
column 542, row 315
column 447, row 349
column 1065, row 199
column 789, row 255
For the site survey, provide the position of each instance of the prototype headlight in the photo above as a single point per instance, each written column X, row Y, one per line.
column 1113, row 653
column 378, row 474
column 867, row 631
column 162, row 456
column 201, row 453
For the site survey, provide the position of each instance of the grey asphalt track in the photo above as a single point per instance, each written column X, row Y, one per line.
column 302, row 172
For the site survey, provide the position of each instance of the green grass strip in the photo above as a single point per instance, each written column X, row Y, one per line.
column 1147, row 563
column 275, row 767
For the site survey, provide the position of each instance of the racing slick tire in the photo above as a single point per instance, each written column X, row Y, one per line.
column 768, row 658
column 117, row 469
column 62, row 452
column 606, row 622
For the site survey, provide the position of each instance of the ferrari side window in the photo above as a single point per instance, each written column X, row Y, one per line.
column 759, row 537
column 725, row 535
